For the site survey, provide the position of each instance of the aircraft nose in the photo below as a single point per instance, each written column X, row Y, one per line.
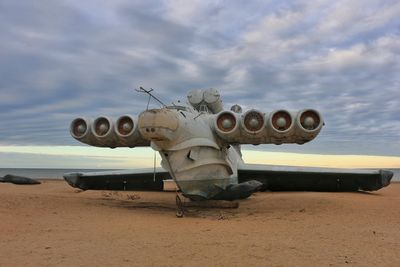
column 158, row 124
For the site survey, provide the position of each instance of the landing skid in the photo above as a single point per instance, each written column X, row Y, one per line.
column 218, row 204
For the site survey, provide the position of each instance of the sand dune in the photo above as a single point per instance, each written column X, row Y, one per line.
column 53, row 224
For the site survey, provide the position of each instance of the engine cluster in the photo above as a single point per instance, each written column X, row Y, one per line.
column 105, row 132
column 205, row 100
column 172, row 125
column 281, row 126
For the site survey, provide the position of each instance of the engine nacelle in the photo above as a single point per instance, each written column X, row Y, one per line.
column 103, row 131
column 309, row 123
column 80, row 129
column 253, row 125
column 209, row 98
column 226, row 124
column 127, row 131
column 213, row 100
column 280, row 127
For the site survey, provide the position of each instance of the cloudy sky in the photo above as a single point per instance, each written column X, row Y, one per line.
column 67, row 58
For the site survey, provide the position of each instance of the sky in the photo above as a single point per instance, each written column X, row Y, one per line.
column 68, row 58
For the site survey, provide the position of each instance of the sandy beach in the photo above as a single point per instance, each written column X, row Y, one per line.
column 53, row 224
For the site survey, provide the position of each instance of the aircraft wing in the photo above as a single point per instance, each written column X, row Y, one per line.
column 138, row 179
column 288, row 178
column 275, row 178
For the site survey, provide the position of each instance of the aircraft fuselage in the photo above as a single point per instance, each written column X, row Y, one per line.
column 201, row 165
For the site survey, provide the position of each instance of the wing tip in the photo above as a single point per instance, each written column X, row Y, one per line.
column 386, row 177
column 73, row 179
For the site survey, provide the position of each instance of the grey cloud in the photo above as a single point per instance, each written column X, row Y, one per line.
column 61, row 59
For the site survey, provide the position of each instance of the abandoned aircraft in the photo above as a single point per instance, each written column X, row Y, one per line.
column 200, row 149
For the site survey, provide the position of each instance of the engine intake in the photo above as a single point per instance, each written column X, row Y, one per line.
column 80, row 127
column 309, row 123
column 281, row 121
column 102, row 127
column 309, row 120
column 227, row 126
column 128, row 134
column 226, row 122
column 103, row 132
column 125, row 126
column 253, row 121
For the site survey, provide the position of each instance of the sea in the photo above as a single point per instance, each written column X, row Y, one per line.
column 37, row 173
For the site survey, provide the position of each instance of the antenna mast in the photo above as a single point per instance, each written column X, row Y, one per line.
column 142, row 90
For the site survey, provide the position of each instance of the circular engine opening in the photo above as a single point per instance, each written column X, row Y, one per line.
column 226, row 122
column 125, row 125
column 101, row 126
column 310, row 120
column 281, row 120
column 79, row 127
column 253, row 121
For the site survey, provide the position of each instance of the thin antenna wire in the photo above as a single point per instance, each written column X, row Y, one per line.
column 142, row 90
column 148, row 103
